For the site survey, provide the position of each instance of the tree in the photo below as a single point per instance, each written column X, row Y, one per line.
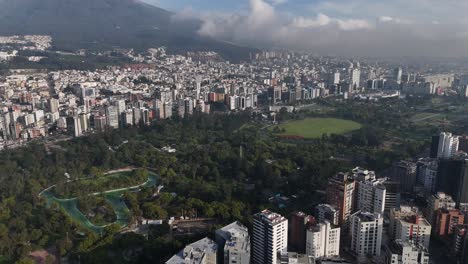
column 153, row 211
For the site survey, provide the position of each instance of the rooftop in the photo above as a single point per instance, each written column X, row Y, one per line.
column 270, row 217
column 195, row 252
column 397, row 246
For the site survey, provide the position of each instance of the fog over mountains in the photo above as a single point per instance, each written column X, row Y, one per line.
column 107, row 23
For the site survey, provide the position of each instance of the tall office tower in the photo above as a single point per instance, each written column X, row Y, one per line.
column 397, row 75
column 404, row 252
column 53, row 105
column 426, row 173
column 366, row 233
column 145, row 117
column 407, row 224
column 136, row 116
column 340, row 194
column 84, row 121
column 448, row 145
column 298, row 224
column 446, row 220
column 127, row 118
column 167, row 110
column 438, row 201
column 323, row 240
column 404, row 172
column 100, row 123
column 74, row 126
column 198, row 81
column 452, row 178
column 112, row 115
column 121, row 106
column 326, row 212
column 233, row 243
column 203, row 251
column 274, row 94
column 434, row 147
column 333, row 79
column 270, row 235
column 356, row 78
column 188, row 106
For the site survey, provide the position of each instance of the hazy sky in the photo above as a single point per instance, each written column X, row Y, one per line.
column 348, row 27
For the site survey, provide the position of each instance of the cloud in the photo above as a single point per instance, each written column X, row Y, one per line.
column 336, row 30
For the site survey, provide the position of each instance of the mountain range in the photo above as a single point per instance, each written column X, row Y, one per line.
column 103, row 24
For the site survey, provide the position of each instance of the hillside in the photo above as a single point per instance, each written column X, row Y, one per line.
column 100, row 24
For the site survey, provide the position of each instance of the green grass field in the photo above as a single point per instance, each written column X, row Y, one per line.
column 316, row 127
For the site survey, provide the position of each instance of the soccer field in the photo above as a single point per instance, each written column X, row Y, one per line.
column 316, row 127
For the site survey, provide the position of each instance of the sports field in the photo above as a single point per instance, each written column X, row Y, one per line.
column 317, row 127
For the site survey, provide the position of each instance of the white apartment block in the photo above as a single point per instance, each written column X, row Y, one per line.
column 406, row 224
column 371, row 196
column 366, row 234
column 270, row 235
column 400, row 252
column 323, row 241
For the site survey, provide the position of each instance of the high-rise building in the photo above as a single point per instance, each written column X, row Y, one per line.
column 366, row 233
column 167, row 110
column 452, row 178
column 74, row 126
column 234, row 244
column 121, row 106
column 406, row 252
column 405, row 173
column 274, row 94
column 326, row 212
column 448, row 145
column 112, row 115
column 426, row 173
column 340, row 194
column 334, row 79
column 198, row 81
column 370, row 195
column 446, row 220
column 407, row 224
column 53, row 105
column 203, row 251
column 100, row 123
column 136, row 116
column 392, row 194
column 323, row 240
column 298, row 224
column 356, row 78
column 270, row 235
column 397, row 75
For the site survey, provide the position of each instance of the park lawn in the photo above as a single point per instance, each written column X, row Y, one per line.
column 317, row 127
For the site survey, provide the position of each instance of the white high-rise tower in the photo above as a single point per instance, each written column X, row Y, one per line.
column 270, row 235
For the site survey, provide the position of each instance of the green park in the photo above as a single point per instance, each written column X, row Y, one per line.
column 311, row 128
column 109, row 188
